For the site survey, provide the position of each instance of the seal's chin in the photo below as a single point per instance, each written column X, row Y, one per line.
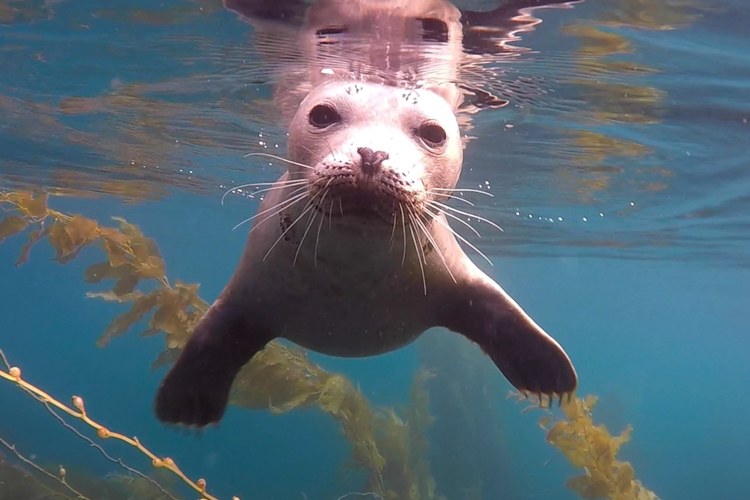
column 361, row 205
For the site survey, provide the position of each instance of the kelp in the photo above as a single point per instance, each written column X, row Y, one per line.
column 279, row 378
column 391, row 450
column 592, row 448
column 77, row 410
column 18, row 483
column 410, row 478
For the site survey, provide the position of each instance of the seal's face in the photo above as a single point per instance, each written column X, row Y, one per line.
column 375, row 151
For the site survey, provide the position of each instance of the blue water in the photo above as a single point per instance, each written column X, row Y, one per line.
column 620, row 177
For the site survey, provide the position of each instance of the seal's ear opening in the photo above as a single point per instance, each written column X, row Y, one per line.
column 195, row 392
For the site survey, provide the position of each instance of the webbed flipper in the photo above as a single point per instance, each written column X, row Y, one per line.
column 195, row 392
column 529, row 358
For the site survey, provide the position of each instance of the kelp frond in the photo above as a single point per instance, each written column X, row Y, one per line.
column 592, row 448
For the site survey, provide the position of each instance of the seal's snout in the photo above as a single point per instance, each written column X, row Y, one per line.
column 371, row 160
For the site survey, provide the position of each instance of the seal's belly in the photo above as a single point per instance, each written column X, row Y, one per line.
column 351, row 326
column 342, row 309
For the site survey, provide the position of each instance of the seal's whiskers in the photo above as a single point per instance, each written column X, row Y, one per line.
column 418, row 249
column 421, row 224
column 403, row 226
column 280, row 158
column 458, row 198
column 274, row 185
column 461, row 190
column 310, row 206
column 459, row 219
column 457, row 235
column 294, row 197
column 452, row 197
column 320, row 226
column 310, row 220
column 443, row 206
column 393, row 229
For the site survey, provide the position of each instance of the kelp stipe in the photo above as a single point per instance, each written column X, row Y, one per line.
column 77, row 410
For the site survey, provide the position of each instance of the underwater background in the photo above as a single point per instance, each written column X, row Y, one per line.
column 621, row 177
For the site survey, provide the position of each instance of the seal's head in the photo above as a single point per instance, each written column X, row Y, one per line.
column 373, row 149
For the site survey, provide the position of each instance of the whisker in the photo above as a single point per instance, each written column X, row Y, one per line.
column 333, row 155
column 270, row 216
column 312, row 153
column 310, row 220
column 310, row 206
column 274, row 185
column 320, row 225
column 393, row 230
column 438, row 250
column 462, row 190
column 280, row 158
column 419, row 255
column 457, row 235
column 467, row 214
column 294, row 196
column 415, row 163
column 273, row 188
column 459, row 219
column 258, row 224
column 458, row 198
column 403, row 226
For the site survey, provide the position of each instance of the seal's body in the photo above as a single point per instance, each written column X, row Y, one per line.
column 352, row 253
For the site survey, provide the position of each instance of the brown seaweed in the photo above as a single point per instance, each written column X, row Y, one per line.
column 592, row 448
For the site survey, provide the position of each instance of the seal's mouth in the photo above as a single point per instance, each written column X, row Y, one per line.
column 369, row 194
column 360, row 204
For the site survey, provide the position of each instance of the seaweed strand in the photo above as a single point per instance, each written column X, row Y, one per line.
column 60, row 479
column 590, row 447
column 78, row 411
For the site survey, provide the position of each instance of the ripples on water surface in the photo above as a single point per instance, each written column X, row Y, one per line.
column 619, row 171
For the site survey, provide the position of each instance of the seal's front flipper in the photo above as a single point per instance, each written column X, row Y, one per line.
column 195, row 392
column 530, row 359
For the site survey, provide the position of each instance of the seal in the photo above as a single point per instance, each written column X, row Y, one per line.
column 352, row 254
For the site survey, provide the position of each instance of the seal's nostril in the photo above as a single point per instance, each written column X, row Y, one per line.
column 371, row 160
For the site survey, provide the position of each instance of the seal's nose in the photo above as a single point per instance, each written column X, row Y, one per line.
column 371, row 160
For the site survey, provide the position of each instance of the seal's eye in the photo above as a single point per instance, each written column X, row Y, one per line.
column 323, row 115
column 432, row 134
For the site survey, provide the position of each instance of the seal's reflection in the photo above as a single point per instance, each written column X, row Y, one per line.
column 429, row 44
